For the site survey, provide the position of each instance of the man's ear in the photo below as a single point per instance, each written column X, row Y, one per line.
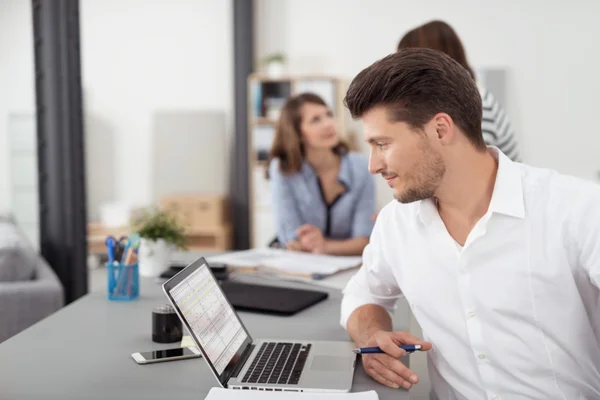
column 444, row 127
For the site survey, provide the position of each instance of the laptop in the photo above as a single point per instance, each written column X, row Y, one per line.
column 240, row 362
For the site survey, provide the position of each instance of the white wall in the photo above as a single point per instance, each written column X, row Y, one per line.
column 17, row 92
column 548, row 47
column 140, row 56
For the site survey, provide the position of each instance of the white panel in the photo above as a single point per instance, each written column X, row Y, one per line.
column 261, row 189
column 494, row 80
column 22, row 132
column 23, row 168
column 23, row 174
column 189, row 153
column 263, row 228
column 25, row 206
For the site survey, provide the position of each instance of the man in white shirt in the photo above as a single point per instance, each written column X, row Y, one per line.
column 499, row 262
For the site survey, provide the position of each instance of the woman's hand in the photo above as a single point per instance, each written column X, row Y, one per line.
column 293, row 245
column 311, row 239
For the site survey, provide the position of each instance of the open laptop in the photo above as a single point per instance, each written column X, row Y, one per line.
column 240, row 362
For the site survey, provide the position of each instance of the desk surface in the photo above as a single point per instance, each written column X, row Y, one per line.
column 83, row 351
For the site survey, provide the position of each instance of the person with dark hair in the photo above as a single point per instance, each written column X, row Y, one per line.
column 499, row 261
column 322, row 193
column 496, row 127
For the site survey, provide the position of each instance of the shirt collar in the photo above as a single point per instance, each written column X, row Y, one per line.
column 507, row 197
column 344, row 175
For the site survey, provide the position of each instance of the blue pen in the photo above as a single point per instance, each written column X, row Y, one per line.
column 110, row 247
column 409, row 348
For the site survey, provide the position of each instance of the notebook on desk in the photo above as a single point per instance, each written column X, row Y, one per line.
column 288, row 262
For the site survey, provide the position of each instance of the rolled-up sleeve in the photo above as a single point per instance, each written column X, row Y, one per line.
column 374, row 283
column 362, row 224
column 287, row 217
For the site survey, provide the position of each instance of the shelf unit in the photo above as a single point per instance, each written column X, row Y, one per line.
column 266, row 96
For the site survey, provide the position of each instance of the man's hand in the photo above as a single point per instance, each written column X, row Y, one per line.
column 311, row 239
column 386, row 368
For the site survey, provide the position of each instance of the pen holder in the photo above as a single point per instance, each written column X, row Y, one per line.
column 123, row 281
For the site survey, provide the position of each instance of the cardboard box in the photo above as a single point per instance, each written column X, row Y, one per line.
column 215, row 238
column 179, row 207
column 198, row 210
column 208, row 211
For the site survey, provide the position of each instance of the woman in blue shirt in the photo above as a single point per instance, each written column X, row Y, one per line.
column 322, row 193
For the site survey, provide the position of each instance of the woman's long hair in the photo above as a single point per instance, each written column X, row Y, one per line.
column 287, row 144
column 437, row 35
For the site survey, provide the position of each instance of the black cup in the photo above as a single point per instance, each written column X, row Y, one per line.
column 166, row 325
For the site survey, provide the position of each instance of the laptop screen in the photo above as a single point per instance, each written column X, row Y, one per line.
column 210, row 316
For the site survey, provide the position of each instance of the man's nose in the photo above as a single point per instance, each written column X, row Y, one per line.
column 376, row 165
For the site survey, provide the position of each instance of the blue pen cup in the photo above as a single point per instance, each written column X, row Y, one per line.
column 123, row 281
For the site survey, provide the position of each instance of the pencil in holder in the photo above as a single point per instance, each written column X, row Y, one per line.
column 123, row 281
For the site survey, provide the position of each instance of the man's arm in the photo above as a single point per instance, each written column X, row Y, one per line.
column 366, row 316
column 374, row 284
column 365, row 321
column 369, row 299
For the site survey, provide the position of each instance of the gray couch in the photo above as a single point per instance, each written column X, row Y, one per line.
column 29, row 288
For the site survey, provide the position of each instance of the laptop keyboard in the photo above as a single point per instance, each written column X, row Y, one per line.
column 278, row 363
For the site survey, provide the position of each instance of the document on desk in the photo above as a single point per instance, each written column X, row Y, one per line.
column 230, row 394
column 293, row 262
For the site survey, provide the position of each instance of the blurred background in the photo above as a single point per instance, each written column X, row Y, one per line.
column 179, row 99
column 147, row 66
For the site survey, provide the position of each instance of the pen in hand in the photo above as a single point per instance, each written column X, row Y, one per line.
column 409, row 348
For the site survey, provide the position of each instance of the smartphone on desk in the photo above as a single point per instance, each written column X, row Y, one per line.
column 179, row 353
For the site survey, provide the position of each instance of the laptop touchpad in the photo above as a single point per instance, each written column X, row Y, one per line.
column 330, row 363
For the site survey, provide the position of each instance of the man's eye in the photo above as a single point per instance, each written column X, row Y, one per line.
column 381, row 145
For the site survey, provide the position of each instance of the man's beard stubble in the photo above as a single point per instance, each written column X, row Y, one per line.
column 427, row 177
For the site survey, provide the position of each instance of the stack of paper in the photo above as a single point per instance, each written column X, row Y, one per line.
column 230, row 394
column 293, row 262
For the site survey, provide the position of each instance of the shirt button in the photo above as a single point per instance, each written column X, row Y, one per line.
column 494, row 398
column 471, row 314
column 481, row 356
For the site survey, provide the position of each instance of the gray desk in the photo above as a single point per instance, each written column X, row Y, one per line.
column 83, row 351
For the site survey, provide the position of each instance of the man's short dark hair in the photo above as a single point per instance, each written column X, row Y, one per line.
column 415, row 84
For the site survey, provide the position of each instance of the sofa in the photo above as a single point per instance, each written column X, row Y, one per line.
column 29, row 289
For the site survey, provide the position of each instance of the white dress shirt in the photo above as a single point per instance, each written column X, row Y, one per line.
column 515, row 313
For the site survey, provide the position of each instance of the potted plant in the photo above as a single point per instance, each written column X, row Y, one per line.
column 274, row 64
column 160, row 234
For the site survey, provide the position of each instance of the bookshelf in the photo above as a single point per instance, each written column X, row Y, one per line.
column 266, row 96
